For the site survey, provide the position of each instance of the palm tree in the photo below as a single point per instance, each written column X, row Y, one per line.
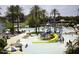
column 37, row 17
column 44, row 17
column 11, row 17
column 14, row 14
column 18, row 13
column 35, row 12
column 54, row 13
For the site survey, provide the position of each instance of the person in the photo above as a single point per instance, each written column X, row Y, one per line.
column 70, row 42
column 67, row 44
column 26, row 45
column 7, row 37
column 3, row 37
column 20, row 48
column 62, row 38
column 76, row 32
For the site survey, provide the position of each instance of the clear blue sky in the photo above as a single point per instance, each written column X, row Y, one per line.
column 64, row 10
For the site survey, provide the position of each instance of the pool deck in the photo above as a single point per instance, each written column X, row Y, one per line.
column 13, row 40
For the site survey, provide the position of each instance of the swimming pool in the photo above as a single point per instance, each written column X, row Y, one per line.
column 47, row 48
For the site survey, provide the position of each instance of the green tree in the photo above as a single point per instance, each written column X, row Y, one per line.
column 18, row 14
column 11, row 17
column 8, row 24
column 14, row 15
column 43, row 16
column 36, row 17
column 54, row 14
column 3, row 43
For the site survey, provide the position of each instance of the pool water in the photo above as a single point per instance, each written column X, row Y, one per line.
column 47, row 48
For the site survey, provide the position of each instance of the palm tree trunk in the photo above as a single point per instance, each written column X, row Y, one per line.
column 12, row 29
column 18, row 24
column 36, row 29
column 54, row 22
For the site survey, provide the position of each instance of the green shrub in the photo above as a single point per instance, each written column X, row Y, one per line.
column 3, row 43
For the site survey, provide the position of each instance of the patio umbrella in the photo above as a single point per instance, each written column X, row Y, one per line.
column 10, row 49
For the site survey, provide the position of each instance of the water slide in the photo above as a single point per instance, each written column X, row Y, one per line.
column 55, row 39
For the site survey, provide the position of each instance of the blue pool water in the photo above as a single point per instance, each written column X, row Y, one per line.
column 47, row 48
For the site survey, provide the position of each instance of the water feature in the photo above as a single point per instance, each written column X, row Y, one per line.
column 47, row 48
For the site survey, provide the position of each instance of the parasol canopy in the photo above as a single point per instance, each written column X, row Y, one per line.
column 10, row 49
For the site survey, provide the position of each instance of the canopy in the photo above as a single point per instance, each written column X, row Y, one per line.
column 10, row 49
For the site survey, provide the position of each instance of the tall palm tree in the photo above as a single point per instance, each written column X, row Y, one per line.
column 18, row 13
column 43, row 15
column 11, row 17
column 13, row 14
column 54, row 13
column 35, row 16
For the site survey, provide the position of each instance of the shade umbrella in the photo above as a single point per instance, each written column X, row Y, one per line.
column 10, row 49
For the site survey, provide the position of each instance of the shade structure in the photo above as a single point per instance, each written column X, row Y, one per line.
column 10, row 49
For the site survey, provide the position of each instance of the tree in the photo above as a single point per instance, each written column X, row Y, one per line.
column 36, row 17
column 54, row 13
column 43, row 16
column 14, row 15
column 3, row 43
column 11, row 17
column 18, row 14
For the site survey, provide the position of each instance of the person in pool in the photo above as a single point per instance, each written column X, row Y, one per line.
column 26, row 45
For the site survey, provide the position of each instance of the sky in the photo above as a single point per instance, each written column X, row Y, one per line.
column 64, row 10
